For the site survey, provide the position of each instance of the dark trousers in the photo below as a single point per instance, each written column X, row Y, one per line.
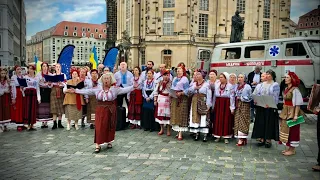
column 120, row 100
column 318, row 137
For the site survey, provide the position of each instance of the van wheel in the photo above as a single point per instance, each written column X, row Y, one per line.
column 303, row 90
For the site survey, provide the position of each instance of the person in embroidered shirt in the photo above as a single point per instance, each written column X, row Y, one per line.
column 148, row 119
column 43, row 111
column 242, row 110
column 123, row 78
column 290, row 136
column 105, row 114
column 31, row 98
column 223, row 105
column 266, row 125
column 143, row 75
column 136, row 100
column 179, row 103
column 4, row 100
column 56, row 99
column 200, row 123
column 92, row 101
column 162, row 102
column 17, row 98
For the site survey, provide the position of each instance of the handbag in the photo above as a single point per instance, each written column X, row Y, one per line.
column 291, row 123
column 201, row 106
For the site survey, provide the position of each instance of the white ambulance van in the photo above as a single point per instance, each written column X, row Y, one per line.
column 300, row 55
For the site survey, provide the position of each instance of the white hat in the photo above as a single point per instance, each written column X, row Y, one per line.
column 226, row 75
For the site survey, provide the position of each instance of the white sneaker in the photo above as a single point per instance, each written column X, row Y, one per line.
column 76, row 126
column 68, row 127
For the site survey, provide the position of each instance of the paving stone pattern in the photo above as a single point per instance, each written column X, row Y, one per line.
column 137, row 154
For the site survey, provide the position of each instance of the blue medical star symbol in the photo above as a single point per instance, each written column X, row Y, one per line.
column 274, row 51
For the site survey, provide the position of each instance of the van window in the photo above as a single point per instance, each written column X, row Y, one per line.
column 254, row 52
column 295, row 49
column 230, row 53
column 204, row 55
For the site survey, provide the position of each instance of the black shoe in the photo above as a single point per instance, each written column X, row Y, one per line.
column 73, row 125
column 146, row 129
column 59, row 124
column 91, row 126
column 32, row 129
column 42, row 127
column 54, row 125
column 268, row 145
column 261, row 143
column 196, row 138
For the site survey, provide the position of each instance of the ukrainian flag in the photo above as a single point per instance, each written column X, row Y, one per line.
column 37, row 64
column 94, row 58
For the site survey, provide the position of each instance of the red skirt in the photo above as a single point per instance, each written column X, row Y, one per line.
column 30, row 111
column 105, row 122
column 135, row 105
column 5, row 100
column 294, row 136
column 16, row 109
column 223, row 124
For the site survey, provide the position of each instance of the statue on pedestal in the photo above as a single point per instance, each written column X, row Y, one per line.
column 237, row 28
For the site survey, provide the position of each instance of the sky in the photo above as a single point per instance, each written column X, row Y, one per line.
column 43, row 14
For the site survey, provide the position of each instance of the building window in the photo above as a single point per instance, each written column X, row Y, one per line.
column 128, row 16
column 241, row 6
column 317, row 32
column 66, row 27
column 143, row 56
column 204, row 5
column 307, row 19
column 63, row 41
column 96, row 30
column 301, row 24
column 88, row 29
column 83, row 29
column 100, row 36
column 266, row 9
column 74, row 33
column 75, row 28
column 317, row 23
column 204, row 55
column 83, row 34
column 311, row 24
column 203, row 25
column 65, row 33
column 300, row 33
column 168, row 22
column 105, row 31
column 168, row 3
column 266, row 29
column 311, row 32
column 92, row 35
column 306, row 24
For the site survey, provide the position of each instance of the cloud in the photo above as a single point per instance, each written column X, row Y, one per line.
column 300, row 7
column 41, row 10
column 82, row 13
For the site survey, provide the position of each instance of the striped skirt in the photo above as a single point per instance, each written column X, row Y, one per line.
column 180, row 113
column 31, row 105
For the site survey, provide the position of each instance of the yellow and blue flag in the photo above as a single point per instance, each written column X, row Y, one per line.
column 94, row 58
column 37, row 64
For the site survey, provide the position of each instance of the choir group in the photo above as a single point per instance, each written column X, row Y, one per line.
column 208, row 104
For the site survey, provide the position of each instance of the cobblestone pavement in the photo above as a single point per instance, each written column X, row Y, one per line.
column 137, row 154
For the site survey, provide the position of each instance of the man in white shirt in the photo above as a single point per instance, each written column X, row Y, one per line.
column 254, row 78
column 143, row 75
column 158, row 76
column 123, row 78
